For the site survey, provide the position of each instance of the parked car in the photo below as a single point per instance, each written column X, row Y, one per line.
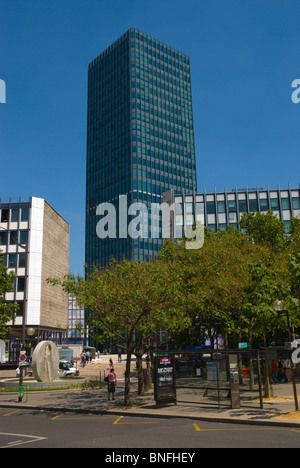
column 66, row 369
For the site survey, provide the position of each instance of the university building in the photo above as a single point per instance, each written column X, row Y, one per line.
column 34, row 241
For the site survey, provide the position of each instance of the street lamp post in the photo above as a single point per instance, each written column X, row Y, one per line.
column 279, row 307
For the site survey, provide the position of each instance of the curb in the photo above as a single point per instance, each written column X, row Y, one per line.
column 224, row 420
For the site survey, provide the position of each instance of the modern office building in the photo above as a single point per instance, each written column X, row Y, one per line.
column 76, row 322
column 140, row 138
column 34, row 240
column 217, row 210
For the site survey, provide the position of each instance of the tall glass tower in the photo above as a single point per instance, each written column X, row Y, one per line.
column 140, row 138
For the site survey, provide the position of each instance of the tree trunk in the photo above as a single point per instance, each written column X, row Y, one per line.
column 127, row 374
column 139, row 356
column 251, row 366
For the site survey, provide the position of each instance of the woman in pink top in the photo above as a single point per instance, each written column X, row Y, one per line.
column 112, row 381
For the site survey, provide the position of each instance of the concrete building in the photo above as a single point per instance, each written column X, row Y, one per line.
column 34, row 240
column 217, row 210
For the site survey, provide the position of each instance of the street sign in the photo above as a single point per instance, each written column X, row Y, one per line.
column 243, row 345
column 22, row 357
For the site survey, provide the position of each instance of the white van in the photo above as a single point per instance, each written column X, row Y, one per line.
column 67, row 370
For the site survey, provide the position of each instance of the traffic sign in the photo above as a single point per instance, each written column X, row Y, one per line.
column 243, row 345
column 22, row 357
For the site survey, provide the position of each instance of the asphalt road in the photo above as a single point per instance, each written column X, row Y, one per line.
column 42, row 429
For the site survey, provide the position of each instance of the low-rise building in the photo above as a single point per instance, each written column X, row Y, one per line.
column 34, row 240
column 217, row 210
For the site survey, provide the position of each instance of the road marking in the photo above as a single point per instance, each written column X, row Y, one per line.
column 197, row 428
column 21, row 442
column 13, row 412
column 58, row 416
column 116, row 422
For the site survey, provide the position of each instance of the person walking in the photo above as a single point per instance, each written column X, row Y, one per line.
column 281, row 372
column 112, row 382
column 274, row 372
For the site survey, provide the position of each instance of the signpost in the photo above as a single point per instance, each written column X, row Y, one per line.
column 243, row 345
column 164, row 381
column 22, row 357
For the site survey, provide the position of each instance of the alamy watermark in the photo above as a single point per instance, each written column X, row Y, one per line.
column 2, row 92
column 296, row 353
column 296, row 93
column 142, row 221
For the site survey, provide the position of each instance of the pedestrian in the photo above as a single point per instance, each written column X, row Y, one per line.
column 281, row 372
column 274, row 372
column 18, row 372
column 112, row 382
column 119, row 356
column 111, row 363
column 83, row 359
column 87, row 355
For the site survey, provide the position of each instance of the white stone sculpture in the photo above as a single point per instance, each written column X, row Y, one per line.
column 45, row 361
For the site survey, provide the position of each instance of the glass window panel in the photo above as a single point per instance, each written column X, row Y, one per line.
column 21, row 284
column 23, row 237
column 221, row 207
column 274, row 204
column 24, row 214
column 4, row 216
column 253, row 205
column 232, row 206
column 22, row 260
column 14, row 215
column 264, row 204
column 3, row 238
column 285, row 203
column 211, row 207
column 12, row 260
column 242, row 206
column 13, row 237
column 296, row 203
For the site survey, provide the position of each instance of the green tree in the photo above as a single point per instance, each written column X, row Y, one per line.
column 7, row 310
column 130, row 301
column 264, row 229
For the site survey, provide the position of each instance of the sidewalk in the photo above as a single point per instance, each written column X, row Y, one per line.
column 95, row 402
column 276, row 412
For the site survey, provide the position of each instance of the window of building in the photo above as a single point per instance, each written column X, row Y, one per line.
column 221, row 207
column 264, row 204
column 232, row 206
column 4, row 216
column 253, row 205
column 211, row 207
column 23, row 237
column 14, row 215
column 242, row 206
column 25, row 214
column 285, row 203
column 274, row 204
column 22, row 260
column 296, row 203
column 12, row 260
column 3, row 237
column 21, row 284
column 13, row 237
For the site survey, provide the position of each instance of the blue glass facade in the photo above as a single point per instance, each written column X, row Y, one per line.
column 140, row 137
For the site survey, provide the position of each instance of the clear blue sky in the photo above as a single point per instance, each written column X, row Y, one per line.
column 244, row 57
